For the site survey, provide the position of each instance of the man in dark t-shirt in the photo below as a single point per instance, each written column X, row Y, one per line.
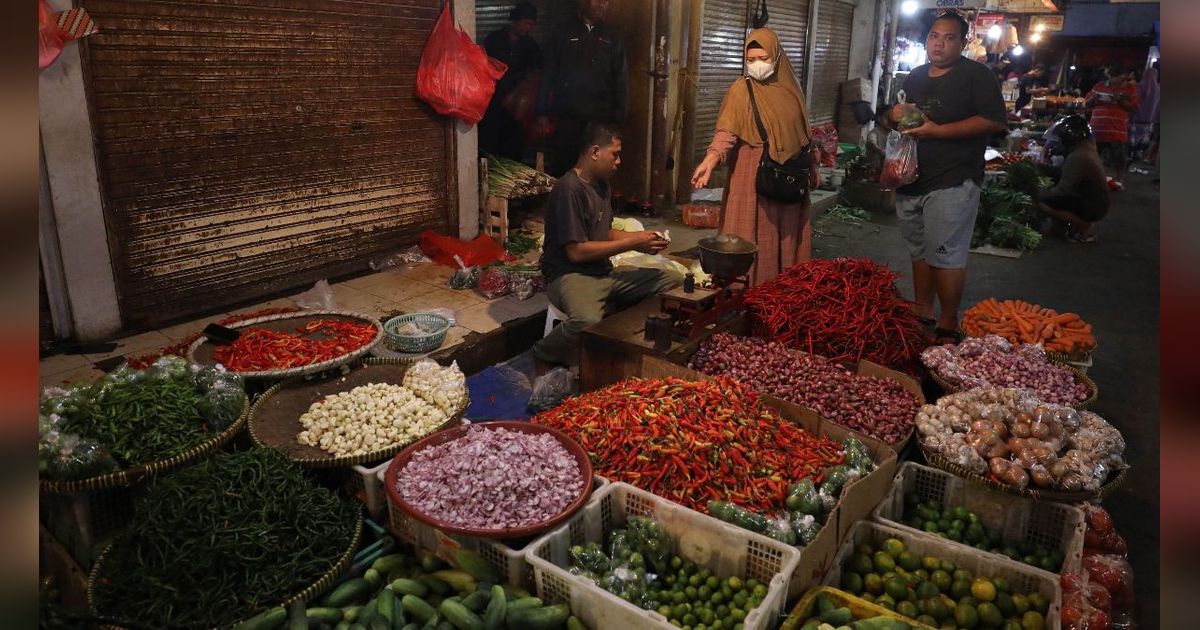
column 580, row 280
column 962, row 107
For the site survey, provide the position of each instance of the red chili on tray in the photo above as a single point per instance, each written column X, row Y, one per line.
column 260, row 349
column 693, row 441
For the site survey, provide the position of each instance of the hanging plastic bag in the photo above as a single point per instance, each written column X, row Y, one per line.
column 899, row 162
column 56, row 29
column 456, row 76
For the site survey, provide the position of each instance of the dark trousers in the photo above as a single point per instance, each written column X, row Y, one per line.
column 502, row 135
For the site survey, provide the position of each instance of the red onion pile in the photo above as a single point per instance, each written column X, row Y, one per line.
column 993, row 361
column 878, row 407
column 492, row 479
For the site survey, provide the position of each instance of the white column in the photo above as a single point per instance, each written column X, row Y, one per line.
column 74, row 186
column 467, row 146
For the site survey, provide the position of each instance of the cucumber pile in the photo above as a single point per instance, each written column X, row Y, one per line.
column 414, row 592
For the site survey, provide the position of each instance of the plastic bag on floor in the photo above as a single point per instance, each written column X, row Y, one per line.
column 411, row 256
column 550, row 389
column 318, row 298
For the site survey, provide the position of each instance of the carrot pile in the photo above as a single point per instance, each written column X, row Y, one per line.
column 1022, row 322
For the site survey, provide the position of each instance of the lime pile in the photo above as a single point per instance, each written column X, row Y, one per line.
column 963, row 526
column 937, row 593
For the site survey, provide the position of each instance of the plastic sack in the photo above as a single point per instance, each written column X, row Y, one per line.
column 522, row 286
column 493, row 282
column 806, row 528
column 410, row 256
column 442, row 249
column 802, row 498
column 456, row 77
column 221, row 405
column 550, row 389
column 442, row 387
column 899, row 162
column 318, row 298
column 66, row 456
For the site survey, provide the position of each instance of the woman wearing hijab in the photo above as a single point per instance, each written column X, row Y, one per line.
column 777, row 228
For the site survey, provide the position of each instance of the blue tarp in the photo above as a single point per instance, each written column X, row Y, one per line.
column 498, row 393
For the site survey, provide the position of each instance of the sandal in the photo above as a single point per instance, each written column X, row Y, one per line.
column 943, row 336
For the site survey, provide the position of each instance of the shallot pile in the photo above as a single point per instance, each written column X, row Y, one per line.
column 845, row 309
column 694, row 441
column 992, row 361
column 1017, row 439
column 879, row 407
column 493, row 478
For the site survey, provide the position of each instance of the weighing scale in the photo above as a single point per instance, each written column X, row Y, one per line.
column 688, row 312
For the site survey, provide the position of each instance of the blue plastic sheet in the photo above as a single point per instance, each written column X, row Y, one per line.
column 498, row 393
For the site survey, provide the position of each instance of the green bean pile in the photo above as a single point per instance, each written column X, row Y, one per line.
column 145, row 422
column 217, row 542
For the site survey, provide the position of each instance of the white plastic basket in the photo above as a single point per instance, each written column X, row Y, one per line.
column 1022, row 578
column 1019, row 520
column 723, row 548
column 366, row 485
column 509, row 562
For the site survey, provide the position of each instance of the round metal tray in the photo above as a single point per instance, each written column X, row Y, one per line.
column 201, row 351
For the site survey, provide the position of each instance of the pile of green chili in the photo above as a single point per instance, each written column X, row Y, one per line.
column 218, row 542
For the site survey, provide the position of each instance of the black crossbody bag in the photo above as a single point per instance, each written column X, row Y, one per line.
column 786, row 182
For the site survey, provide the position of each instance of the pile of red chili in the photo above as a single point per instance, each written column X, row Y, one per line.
column 692, row 442
column 259, row 349
column 844, row 309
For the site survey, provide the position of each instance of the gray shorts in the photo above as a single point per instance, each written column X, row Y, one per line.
column 938, row 225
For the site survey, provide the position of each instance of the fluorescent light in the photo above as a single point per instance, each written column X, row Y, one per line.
column 1072, row 67
column 994, row 32
column 909, row 7
column 1040, row 27
column 1018, row 51
column 1035, row 38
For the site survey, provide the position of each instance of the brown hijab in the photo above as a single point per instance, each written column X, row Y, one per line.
column 780, row 103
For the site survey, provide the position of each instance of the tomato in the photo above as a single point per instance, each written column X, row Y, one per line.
column 1093, row 539
column 1098, row 620
column 1099, row 597
column 1071, row 582
column 1099, row 519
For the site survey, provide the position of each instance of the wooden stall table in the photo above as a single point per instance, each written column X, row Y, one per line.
column 613, row 348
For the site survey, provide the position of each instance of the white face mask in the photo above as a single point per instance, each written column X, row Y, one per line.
column 760, row 70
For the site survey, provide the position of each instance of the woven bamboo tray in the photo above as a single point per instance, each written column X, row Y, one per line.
column 1080, row 377
column 201, row 350
column 1115, row 479
column 275, row 417
column 316, row 588
column 132, row 476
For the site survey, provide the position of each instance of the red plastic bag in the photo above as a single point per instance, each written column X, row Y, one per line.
column 456, row 76
column 899, row 162
column 481, row 251
column 50, row 38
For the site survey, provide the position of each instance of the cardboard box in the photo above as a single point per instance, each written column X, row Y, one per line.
column 859, row 497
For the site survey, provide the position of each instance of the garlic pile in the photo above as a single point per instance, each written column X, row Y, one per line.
column 443, row 387
column 368, row 418
column 1019, row 439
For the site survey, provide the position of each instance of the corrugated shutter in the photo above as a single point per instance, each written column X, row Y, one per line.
column 789, row 19
column 251, row 146
column 721, row 63
column 831, row 57
column 491, row 15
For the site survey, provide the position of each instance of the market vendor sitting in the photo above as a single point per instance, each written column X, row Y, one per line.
column 580, row 279
column 1080, row 198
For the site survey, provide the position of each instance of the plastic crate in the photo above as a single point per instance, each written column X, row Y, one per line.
column 1022, row 578
column 1019, row 520
column 723, row 548
column 85, row 522
column 508, row 557
column 861, row 608
column 366, row 485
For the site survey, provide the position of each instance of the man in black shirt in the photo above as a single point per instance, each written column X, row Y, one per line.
column 962, row 107
column 579, row 241
column 500, row 133
column 586, row 78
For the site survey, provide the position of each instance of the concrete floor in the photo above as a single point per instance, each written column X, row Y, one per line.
column 1114, row 285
